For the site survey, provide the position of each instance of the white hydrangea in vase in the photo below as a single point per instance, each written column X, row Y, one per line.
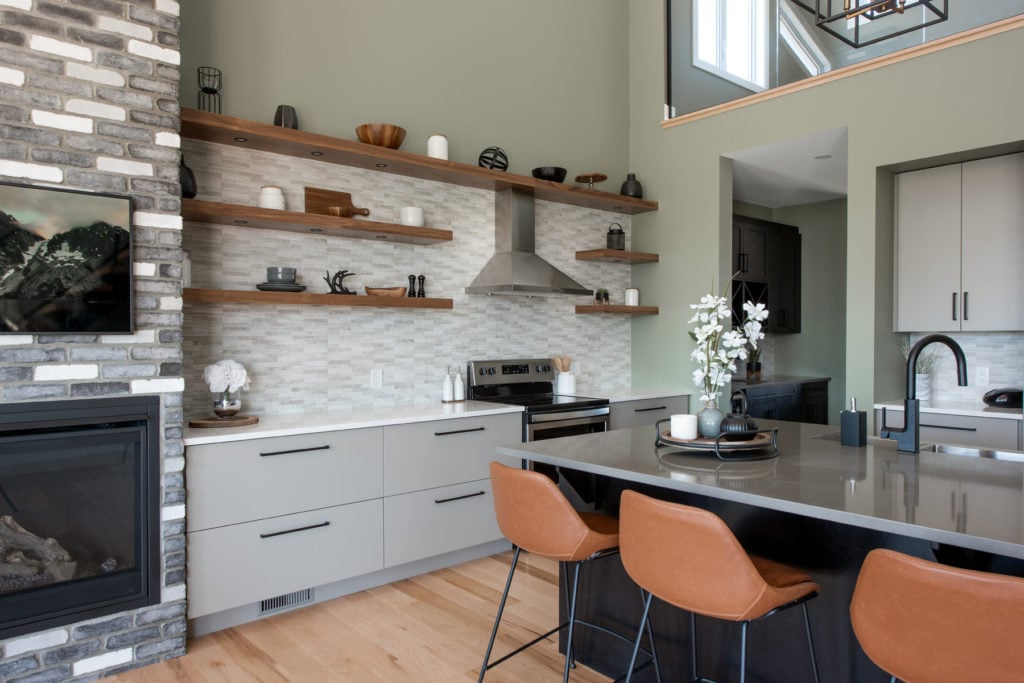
column 226, row 378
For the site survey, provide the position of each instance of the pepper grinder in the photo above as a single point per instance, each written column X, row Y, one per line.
column 421, row 293
column 412, row 286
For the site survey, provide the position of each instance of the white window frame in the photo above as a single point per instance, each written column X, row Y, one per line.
column 759, row 51
column 806, row 49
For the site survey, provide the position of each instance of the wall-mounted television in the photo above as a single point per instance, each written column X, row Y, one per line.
column 65, row 261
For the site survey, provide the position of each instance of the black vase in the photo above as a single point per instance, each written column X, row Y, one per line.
column 632, row 187
column 286, row 116
column 187, row 179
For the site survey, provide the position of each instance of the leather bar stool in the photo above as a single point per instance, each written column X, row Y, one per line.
column 689, row 558
column 923, row 621
column 534, row 515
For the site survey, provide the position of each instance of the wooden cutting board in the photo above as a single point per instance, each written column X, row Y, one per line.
column 233, row 421
column 320, row 201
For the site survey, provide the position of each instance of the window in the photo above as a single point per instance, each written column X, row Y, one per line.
column 730, row 40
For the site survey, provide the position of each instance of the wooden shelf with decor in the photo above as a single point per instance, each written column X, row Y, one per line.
column 615, row 308
column 235, row 296
column 228, row 130
column 616, row 256
column 220, row 213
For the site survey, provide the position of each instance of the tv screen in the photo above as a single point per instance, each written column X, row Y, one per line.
column 65, row 261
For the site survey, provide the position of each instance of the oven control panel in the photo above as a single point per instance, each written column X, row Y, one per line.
column 488, row 372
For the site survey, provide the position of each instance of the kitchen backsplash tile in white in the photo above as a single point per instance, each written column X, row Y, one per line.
column 1001, row 352
column 310, row 358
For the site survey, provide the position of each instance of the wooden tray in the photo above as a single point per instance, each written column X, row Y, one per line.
column 234, row 421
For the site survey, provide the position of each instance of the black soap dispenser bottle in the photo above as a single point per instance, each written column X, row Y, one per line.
column 853, row 426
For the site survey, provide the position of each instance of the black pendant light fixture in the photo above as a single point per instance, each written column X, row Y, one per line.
column 859, row 23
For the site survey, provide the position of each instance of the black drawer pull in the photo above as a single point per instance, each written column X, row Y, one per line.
column 959, row 429
column 294, row 450
column 295, row 531
column 460, row 431
column 468, row 495
column 647, row 410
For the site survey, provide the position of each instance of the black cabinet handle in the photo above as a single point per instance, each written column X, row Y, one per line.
column 958, row 429
column 295, row 531
column 744, row 262
column 460, row 431
column 954, row 305
column 647, row 410
column 294, row 450
column 782, row 317
column 965, row 305
column 468, row 495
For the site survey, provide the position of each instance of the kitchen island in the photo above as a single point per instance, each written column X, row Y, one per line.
column 819, row 506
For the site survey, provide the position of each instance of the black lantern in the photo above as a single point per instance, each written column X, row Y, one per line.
column 865, row 22
column 209, row 89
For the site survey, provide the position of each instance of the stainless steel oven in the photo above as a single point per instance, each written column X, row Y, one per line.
column 551, row 425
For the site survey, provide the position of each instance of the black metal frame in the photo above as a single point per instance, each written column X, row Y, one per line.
column 570, row 662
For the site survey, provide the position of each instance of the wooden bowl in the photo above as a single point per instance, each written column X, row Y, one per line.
column 381, row 134
column 386, row 291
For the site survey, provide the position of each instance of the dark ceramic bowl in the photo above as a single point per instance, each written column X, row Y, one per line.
column 553, row 173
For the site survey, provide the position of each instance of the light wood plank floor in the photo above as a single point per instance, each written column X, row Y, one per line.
column 432, row 627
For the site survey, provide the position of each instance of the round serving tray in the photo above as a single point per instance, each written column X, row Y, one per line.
column 760, row 440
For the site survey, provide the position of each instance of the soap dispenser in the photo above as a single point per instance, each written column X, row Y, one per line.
column 460, row 388
column 853, row 426
column 447, row 389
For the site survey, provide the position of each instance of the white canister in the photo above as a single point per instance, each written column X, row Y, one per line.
column 565, row 383
column 632, row 297
column 437, row 146
column 684, row 426
column 271, row 197
column 411, row 215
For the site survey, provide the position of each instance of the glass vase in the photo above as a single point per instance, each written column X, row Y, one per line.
column 709, row 420
column 226, row 404
column 753, row 372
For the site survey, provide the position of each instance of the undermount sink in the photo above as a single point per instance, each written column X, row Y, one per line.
column 872, row 440
column 973, row 452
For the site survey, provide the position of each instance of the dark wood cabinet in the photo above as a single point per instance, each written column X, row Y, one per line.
column 766, row 269
column 750, row 238
column 789, row 401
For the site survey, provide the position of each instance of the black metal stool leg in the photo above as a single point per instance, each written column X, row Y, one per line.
column 640, row 635
column 743, row 652
column 810, row 643
column 497, row 618
column 572, row 622
column 650, row 637
column 693, row 646
column 565, row 595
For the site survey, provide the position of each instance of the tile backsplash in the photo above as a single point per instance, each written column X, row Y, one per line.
column 1001, row 352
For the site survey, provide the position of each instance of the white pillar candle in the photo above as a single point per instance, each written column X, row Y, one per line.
column 684, row 426
column 437, row 147
column 632, row 297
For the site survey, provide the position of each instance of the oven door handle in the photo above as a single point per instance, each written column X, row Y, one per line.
column 536, row 418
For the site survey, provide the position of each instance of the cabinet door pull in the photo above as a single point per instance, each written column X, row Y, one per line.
column 954, row 305
column 965, row 305
column 295, row 531
column 647, row 410
column 460, row 431
column 958, row 429
column 468, row 495
column 743, row 262
column 294, row 450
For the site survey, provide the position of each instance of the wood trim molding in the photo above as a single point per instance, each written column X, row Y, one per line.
column 961, row 38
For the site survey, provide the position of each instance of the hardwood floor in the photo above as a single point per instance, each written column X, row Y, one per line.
column 432, row 627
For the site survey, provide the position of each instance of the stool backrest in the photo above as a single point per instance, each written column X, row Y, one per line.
column 534, row 515
column 923, row 621
column 688, row 557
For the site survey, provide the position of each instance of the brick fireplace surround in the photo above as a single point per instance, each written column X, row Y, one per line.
column 89, row 100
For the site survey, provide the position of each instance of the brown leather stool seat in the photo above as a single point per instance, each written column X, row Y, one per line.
column 689, row 558
column 534, row 515
column 923, row 621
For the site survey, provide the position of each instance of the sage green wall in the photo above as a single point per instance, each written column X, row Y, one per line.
column 546, row 81
column 951, row 100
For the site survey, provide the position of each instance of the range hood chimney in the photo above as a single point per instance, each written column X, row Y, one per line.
column 515, row 269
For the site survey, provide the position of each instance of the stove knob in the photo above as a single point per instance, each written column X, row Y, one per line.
column 483, row 371
column 491, row 371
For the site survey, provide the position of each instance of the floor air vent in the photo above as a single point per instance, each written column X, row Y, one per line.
column 283, row 602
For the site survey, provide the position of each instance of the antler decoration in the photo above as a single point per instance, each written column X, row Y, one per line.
column 337, row 282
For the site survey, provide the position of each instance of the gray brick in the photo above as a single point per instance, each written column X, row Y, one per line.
column 174, row 577
column 15, row 374
column 155, row 19
column 60, row 158
column 32, row 135
column 145, row 303
column 132, row 638
column 174, row 480
column 99, row 389
column 12, row 150
column 170, row 237
column 174, row 528
column 153, row 85
column 31, row 355
column 115, row 7
column 156, row 287
column 99, row 628
column 9, row 112
column 171, row 369
column 66, row 339
column 170, row 336
column 14, row 667
column 159, row 319
column 62, row 11
column 167, row 612
column 124, row 97
column 104, row 352
column 156, row 120
column 169, row 106
column 163, row 647
column 54, row 83
column 34, row 22
column 167, row 39
column 94, row 143
column 173, row 415
column 170, row 205
column 31, row 60
column 154, row 153
column 71, row 653
column 175, row 628
column 30, row 392
column 173, row 401
column 124, row 62
column 140, row 185
column 170, row 73
column 96, row 38
column 175, row 495
column 97, row 181
column 174, row 561
column 155, row 254
column 10, row 37
column 173, row 432
column 144, row 203
column 134, row 371
column 54, row 675
column 156, row 353
column 173, row 449
column 120, row 130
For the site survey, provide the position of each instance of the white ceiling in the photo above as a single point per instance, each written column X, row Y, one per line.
column 789, row 172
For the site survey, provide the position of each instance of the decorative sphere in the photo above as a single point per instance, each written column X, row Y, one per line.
column 494, row 157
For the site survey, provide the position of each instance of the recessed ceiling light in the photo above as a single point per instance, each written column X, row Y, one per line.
column 316, row 229
column 382, row 165
column 241, row 222
column 317, row 154
column 241, row 139
column 823, row 156
column 381, row 237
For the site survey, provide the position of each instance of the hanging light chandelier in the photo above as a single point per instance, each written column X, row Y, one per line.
column 864, row 22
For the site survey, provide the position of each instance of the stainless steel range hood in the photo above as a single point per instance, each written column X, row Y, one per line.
column 515, row 269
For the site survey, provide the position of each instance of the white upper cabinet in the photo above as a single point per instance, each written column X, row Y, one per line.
column 959, row 246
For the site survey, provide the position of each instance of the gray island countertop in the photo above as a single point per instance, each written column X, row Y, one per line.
column 964, row 501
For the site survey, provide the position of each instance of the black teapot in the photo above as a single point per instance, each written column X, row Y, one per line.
column 737, row 425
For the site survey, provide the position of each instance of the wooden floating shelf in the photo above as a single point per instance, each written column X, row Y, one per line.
column 236, row 296
column 219, row 213
column 616, row 308
column 616, row 256
column 228, row 130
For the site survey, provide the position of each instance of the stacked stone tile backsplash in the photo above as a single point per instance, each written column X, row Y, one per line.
column 89, row 100
column 1000, row 352
column 314, row 358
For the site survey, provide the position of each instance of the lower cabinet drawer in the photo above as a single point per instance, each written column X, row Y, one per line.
column 436, row 521
column 244, row 563
column 966, row 430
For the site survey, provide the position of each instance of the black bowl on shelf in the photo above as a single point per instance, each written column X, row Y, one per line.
column 552, row 173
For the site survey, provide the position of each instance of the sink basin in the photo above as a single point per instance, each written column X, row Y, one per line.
column 872, row 440
column 973, row 452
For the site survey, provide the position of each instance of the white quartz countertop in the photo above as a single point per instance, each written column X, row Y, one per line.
column 971, row 409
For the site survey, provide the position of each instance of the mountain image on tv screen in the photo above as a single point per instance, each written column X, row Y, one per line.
column 65, row 261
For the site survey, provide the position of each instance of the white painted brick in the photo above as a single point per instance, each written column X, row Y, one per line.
column 36, row 641
column 104, row 661
column 168, row 6
column 124, row 27
column 170, row 303
column 60, row 48
column 103, row 111
column 158, row 386
column 114, row 165
column 63, row 121
column 165, row 139
column 12, row 76
column 172, row 593
column 17, row 4
column 49, row 373
column 19, row 169
column 150, row 51
column 140, row 337
column 172, row 512
column 172, row 465
column 15, row 340
column 90, row 73
column 157, row 220
column 144, row 269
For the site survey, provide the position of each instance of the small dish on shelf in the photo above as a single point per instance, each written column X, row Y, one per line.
column 386, row 291
column 280, row 287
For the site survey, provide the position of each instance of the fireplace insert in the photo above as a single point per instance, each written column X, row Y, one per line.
column 79, row 510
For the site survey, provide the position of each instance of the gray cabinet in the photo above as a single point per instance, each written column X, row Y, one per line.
column 646, row 411
column 967, row 430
